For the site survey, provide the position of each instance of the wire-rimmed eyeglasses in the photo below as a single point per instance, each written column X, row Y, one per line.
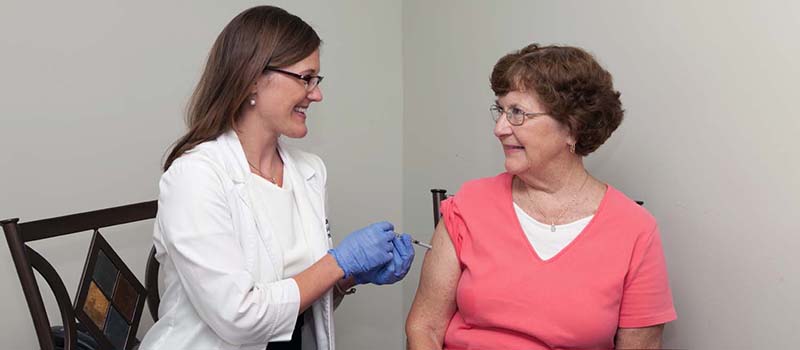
column 311, row 81
column 514, row 115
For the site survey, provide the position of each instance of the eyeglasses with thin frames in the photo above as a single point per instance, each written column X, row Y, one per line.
column 311, row 81
column 514, row 115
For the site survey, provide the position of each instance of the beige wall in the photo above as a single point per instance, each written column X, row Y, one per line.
column 92, row 94
column 709, row 140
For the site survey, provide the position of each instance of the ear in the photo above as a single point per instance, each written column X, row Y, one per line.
column 253, row 88
column 569, row 128
column 571, row 140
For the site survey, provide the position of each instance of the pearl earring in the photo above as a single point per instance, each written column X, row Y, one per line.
column 252, row 102
column 572, row 148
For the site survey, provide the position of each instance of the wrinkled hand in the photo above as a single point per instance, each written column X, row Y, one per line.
column 365, row 249
column 394, row 270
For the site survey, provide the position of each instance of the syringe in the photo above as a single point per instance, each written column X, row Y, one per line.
column 417, row 242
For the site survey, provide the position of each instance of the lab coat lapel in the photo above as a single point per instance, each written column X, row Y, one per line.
column 239, row 171
column 309, row 203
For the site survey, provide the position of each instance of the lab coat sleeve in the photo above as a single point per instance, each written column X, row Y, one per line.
column 199, row 236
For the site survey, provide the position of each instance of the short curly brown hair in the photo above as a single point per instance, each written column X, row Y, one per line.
column 569, row 82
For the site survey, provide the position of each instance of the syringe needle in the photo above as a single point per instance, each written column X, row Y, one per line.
column 421, row 244
column 426, row 245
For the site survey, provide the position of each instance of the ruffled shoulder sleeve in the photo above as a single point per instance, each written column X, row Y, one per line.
column 454, row 222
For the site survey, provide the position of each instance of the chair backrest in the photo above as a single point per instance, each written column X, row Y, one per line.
column 110, row 299
column 440, row 194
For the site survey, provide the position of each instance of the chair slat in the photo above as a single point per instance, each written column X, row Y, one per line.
column 62, row 225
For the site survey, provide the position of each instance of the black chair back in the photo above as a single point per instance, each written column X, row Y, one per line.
column 110, row 299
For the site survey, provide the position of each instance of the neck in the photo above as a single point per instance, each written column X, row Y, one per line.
column 260, row 146
column 555, row 179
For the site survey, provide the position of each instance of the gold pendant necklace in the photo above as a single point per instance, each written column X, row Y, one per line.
column 564, row 210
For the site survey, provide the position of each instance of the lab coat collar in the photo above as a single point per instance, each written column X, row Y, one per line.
column 239, row 169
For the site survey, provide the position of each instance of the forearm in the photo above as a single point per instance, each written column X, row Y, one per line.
column 317, row 280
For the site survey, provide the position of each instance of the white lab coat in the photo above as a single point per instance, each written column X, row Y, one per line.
column 222, row 266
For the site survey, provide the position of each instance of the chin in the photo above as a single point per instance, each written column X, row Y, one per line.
column 297, row 133
column 515, row 167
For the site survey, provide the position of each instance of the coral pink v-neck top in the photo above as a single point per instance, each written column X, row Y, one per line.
column 612, row 275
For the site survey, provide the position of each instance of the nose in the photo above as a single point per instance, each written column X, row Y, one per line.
column 315, row 94
column 502, row 127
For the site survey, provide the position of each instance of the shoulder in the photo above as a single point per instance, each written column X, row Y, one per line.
column 201, row 165
column 476, row 197
column 625, row 212
column 485, row 187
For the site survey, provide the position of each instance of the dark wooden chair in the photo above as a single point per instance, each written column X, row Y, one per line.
column 439, row 195
column 109, row 301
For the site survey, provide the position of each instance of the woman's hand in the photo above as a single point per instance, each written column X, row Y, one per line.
column 365, row 249
column 396, row 269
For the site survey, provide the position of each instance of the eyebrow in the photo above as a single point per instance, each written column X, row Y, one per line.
column 497, row 103
column 513, row 105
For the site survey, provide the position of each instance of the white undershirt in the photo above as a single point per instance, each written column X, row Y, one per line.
column 277, row 206
column 545, row 242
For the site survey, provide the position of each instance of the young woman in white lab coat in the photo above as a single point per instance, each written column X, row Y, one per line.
column 241, row 228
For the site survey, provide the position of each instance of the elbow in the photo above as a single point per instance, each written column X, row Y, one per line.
column 419, row 332
column 412, row 326
column 238, row 327
column 233, row 335
column 262, row 315
column 409, row 331
column 237, row 330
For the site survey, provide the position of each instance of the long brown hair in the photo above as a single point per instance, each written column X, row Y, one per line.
column 257, row 37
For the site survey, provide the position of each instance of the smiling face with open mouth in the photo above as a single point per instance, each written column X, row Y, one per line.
column 534, row 144
column 282, row 100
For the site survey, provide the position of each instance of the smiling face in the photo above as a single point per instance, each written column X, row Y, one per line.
column 538, row 142
column 282, row 100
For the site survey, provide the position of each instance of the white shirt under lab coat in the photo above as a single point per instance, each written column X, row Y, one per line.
column 222, row 266
column 278, row 206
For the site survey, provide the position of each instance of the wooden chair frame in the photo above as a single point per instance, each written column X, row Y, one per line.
column 26, row 260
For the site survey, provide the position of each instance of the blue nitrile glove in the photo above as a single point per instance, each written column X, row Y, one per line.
column 365, row 249
column 394, row 270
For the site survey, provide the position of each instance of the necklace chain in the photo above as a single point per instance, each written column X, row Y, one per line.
column 564, row 210
column 267, row 177
column 258, row 171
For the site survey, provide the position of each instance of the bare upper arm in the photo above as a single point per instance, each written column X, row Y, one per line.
column 435, row 301
column 639, row 338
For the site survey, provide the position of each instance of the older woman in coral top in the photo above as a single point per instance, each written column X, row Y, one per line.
column 544, row 255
